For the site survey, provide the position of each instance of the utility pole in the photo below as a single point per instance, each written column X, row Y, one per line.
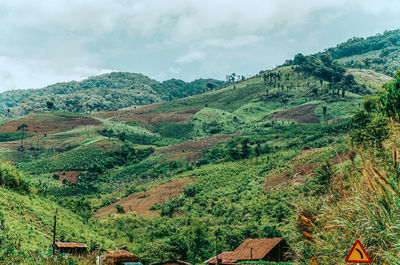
column 54, row 232
column 216, row 246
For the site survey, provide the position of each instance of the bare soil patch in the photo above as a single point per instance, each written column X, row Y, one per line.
column 154, row 119
column 301, row 114
column 49, row 124
column 71, row 176
column 182, row 156
column 195, row 145
column 122, row 112
column 298, row 173
column 140, row 203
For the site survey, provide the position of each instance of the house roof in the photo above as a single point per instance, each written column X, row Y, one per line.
column 172, row 261
column 260, row 248
column 224, row 257
column 70, row 245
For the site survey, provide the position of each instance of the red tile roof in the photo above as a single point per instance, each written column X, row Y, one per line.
column 70, row 245
column 260, row 248
column 224, row 257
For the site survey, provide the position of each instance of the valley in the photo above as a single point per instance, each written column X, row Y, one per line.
column 302, row 152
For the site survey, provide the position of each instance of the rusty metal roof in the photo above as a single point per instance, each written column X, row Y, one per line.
column 254, row 248
column 122, row 254
column 224, row 257
column 70, row 245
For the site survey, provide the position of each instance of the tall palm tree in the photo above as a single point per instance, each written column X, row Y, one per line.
column 22, row 128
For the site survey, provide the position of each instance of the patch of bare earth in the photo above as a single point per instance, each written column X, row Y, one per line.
column 44, row 125
column 52, row 125
column 122, row 112
column 140, row 203
column 300, row 114
column 182, row 156
column 71, row 176
column 297, row 174
column 197, row 145
column 154, row 119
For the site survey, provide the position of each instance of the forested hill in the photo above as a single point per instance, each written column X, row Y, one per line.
column 380, row 52
column 104, row 92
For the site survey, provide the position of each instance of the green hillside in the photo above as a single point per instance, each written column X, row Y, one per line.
column 234, row 140
column 105, row 92
column 304, row 151
column 27, row 218
column 380, row 52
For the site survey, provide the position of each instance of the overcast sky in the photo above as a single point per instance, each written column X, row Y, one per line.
column 43, row 42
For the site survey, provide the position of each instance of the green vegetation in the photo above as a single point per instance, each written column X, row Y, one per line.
column 380, row 52
column 13, row 136
column 105, row 92
column 307, row 151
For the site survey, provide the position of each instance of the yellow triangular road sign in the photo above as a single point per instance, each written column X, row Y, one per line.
column 313, row 261
column 358, row 254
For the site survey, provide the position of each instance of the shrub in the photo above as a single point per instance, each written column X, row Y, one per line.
column 120, row 208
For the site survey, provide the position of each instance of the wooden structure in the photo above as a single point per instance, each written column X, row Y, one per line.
column 254, row 249
column 172, row 262
column 117, row 257
column 267, row 249
column 223, row 258
column 76, row 249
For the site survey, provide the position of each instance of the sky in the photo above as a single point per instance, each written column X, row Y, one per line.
column 44, row 42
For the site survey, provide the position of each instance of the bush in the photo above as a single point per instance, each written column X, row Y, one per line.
column 13, row 179
column 173, row 130
column 120, row 208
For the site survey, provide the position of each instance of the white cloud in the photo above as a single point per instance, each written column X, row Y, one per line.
column 35, row 74
column 190, row 57
column 45, row 41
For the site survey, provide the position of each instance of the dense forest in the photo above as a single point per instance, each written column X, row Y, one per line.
column 380, row 52
column 105, row 92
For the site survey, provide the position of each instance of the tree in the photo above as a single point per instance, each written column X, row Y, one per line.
column 245, row 148
column 197, row 242
column 314, row 91
column 119, row 208
column 122, row 137
column 324, row 109
column 50, row 105
column 284, row 100
column 347, row 83
column 108, row 133
column 258, row 150
column 369, row 129
column 265, row 79
column 389, row 98
column 22, row 128
column 299, row 59
column 210, row 86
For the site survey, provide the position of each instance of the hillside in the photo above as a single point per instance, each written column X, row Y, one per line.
column 233, row 155
column 380, row 52
column 27, row 218
column 105, row 92
column 280, row 154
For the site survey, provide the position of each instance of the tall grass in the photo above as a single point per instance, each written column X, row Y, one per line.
column 361, row 203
